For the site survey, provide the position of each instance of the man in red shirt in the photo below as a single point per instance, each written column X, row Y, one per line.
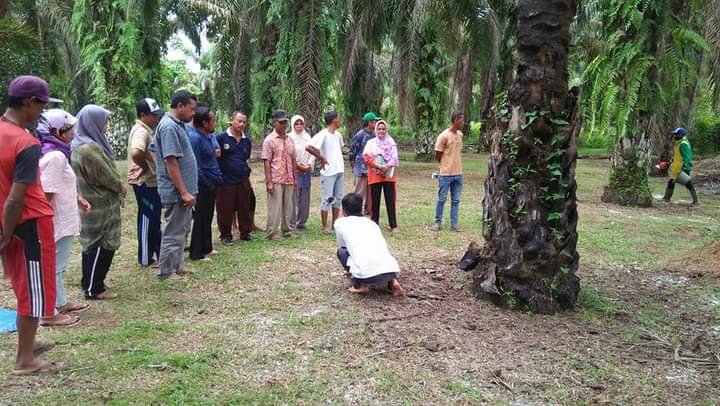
column 27, row 241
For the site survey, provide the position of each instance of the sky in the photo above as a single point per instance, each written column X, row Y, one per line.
column 175, row 53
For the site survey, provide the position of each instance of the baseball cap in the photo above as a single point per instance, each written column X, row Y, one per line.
column 370, row 117
column 149, row 106
column 679, row 131
column 58, row 118
column 280, row 115
column 31, row 86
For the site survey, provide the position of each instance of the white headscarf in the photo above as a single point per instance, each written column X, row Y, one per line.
column 301, row 141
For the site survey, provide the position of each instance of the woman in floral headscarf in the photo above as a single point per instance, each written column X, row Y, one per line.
column 381, row 156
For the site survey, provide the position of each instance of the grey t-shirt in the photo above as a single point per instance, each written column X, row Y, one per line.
column 171, row 139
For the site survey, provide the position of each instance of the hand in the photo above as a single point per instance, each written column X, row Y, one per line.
column 4, row 242
column 188, row 200
column 84, row 204
column 270, row 187
column 217, row 153
column 324, row 162
column 124, row 189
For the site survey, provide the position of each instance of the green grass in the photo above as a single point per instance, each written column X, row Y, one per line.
column 269, row 322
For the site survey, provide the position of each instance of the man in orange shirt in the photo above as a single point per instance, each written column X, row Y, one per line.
column 448, row 152
column 27, row 242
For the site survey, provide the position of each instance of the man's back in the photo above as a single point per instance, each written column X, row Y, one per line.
column 369, row 254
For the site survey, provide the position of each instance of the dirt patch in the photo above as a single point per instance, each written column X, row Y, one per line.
column 707, row 167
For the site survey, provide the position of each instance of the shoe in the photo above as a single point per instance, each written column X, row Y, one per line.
column 289, row 234
column 435, row 227
column 184, row 271
column 455, row 229
column 226, row 241
column 170, row 277
column 248, row 238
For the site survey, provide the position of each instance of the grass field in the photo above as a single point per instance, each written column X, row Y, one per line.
column 270, row 322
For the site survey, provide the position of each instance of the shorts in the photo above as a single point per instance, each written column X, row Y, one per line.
column 331, row 191
column 29, row 263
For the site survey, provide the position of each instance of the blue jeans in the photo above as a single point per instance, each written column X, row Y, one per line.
column 455, row 185
column 63, row 248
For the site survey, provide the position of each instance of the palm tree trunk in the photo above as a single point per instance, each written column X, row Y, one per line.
column 529, row 211
column 308, row 75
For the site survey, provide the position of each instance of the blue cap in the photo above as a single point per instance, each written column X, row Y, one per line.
column 679, row 131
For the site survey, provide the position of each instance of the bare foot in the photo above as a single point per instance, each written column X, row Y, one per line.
column 106, row 296
column 396, row 289
column 325, row 230
column 363, row 289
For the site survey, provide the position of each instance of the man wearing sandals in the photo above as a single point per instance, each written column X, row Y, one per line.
column 27, row 244
column 363, row 252
column 278, row 153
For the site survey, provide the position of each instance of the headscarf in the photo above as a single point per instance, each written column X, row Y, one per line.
column 89, row 129
column 302, row 155
column 387, row 146
column 295, row 118
column 54, row 119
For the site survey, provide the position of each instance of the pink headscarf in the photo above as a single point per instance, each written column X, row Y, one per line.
column 386, row 146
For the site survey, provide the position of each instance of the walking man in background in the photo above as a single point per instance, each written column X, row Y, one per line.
column 359, row 167
column 326, row 146
column 681, row 166
column 448, row 152
column 143, row 178
column 177, row 181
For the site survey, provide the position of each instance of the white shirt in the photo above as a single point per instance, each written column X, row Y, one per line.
column 330, row 146
column 301, row 141
column 57, row 177
column 369, row 254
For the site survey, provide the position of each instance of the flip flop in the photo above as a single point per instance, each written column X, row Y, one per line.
column 105, row 296
column 49, row 368
column 75, row 308
column 66, row 321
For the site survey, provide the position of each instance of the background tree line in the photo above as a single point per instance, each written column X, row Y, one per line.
column 639, row 67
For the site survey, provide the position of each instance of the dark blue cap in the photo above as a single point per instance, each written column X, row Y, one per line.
column 679, row 131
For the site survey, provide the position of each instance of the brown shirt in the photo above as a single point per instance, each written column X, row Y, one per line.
column 141, row 136
column 451, row 145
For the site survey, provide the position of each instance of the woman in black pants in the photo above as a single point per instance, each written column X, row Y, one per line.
column 381, row 156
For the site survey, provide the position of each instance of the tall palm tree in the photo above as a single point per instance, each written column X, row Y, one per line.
column 530, row 217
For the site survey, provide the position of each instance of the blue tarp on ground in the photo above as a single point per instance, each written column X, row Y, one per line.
column 7, row 320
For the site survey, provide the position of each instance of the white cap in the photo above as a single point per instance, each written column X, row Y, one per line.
column 58, row 118
column 153, row 106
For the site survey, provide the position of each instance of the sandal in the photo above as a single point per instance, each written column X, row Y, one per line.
column 60, row 320
column 74, row 308
column 103, row 296
column 47, row 368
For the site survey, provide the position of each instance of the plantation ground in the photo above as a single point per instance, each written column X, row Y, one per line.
column 271, row 323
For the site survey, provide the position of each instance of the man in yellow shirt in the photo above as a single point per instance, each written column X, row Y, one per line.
column 448, row 152
column 681, row 165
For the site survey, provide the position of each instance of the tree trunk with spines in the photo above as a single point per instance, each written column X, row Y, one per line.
column 530, row 216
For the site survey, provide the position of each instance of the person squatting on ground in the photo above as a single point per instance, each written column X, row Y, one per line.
column 681, row 165
column 326, row 146
column 177, row 175
column 27, row 244
column 99, row 182
column 357, row 162
column 363, row 252
column 143, row 179
column 59, row 183
column 303, row 174
column 278, row 154
column 381, row 156
column 448, row 152
column 209, row 176
column 234, row 196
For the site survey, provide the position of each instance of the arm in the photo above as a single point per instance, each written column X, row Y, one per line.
column 173, row 170
column 438, row 155
column 268, row 175
column 316, row 153
column 100, row 170
column 686, row 154
column 440, row 147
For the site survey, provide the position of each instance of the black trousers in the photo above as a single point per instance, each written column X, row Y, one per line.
column 148, row 223
column 387, row 188
column 201, row 235
column 96, row 263
column 382, row 280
